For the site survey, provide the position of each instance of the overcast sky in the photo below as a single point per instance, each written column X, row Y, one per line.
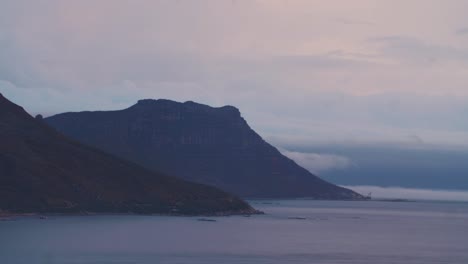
column 322, row 72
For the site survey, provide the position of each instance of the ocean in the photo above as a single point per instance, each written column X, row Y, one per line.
column 291, row 231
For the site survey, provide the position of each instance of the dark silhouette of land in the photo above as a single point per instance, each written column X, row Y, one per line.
column 199, row 143
column 42, row 171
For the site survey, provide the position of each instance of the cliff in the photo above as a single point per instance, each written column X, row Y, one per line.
column 42, row 171
column 200, row 143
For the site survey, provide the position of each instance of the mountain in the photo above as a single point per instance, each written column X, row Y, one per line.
column 42, row 171
column 200, row 143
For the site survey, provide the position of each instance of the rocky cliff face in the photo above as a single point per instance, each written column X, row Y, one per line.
column 43, row 171
column 199, row 143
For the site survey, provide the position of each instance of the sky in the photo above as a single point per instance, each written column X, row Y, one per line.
column 305, row 74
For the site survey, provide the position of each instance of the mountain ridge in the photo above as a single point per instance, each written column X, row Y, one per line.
column 42, row 171
column 210, row 145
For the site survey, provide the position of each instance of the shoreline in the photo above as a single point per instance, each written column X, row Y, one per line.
column 4, row 216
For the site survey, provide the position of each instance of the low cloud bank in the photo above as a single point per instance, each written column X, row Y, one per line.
column 410, row 193
column 318, row 162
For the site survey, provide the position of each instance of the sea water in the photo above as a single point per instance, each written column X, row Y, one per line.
column 293, row 231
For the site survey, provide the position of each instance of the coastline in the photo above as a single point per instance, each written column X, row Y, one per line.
column 7, row 216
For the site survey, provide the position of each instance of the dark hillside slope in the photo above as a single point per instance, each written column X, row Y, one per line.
column 43, row 171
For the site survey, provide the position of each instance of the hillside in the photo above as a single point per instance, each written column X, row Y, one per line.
column 42, row 171
column 199, row 143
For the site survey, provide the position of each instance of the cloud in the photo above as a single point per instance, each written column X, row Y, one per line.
column 348, row 21
column 318, row 79
column 462, row 31
column 411, row 49
column 318, row 162
column 410, row 193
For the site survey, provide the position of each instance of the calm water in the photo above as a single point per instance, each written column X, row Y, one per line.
column 333, row 232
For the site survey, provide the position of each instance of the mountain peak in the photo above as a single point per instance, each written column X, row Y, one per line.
column 44, row 171
column 188, row 105
column 197, row 142
column 154, row 101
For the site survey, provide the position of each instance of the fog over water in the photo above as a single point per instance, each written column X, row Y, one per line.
column 300, row 231
column 387, row 166
column 410, row 193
